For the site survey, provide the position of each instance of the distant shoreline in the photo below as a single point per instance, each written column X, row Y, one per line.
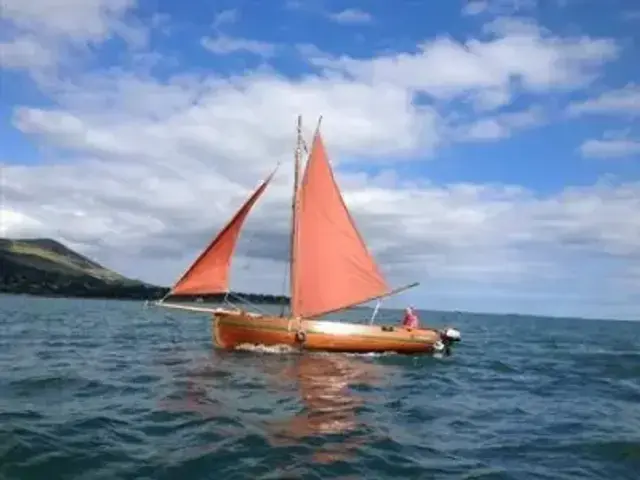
column 156, row 294
column 426, row 315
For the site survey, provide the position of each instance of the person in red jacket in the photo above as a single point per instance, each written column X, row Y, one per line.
column 410, row 319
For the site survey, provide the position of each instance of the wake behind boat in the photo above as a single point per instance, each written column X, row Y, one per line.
column 330, row 270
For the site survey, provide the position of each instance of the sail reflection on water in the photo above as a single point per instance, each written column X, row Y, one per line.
column 322, row 384
column 330, row 407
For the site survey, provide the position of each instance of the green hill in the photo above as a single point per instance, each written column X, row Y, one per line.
column 47, row 267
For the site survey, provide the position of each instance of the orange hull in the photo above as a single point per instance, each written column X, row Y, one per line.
column 235, row 328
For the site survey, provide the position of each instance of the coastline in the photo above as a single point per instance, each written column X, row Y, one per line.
column 153, row 293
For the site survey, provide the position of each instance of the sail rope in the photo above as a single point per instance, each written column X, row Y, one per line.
column 247, row 238
column 285, row 279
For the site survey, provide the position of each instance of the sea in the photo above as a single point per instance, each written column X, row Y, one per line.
column 109, row 390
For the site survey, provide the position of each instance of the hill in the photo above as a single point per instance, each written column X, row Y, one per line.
column 47, row 267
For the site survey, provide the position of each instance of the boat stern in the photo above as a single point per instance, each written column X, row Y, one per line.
column 448, row 337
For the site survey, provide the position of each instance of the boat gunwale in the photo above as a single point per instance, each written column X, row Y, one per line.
column 247, row 321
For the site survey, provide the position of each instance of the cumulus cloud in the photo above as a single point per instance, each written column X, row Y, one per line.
column 77, row 19
column 497, row 7
column 143, row 170
column 622, row 101
column 43, row 31
column 351, row 16
column 225, row 45
column 517, row 54
column 610, row 148
column 26, row 52
column 474, row 7
column 500, row 125
column 225, row 17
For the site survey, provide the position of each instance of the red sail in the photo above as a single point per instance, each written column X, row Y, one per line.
column 210, row 272
column 332, row 267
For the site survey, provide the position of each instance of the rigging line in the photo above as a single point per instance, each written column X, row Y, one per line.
column 246, row 238
column 251, row 304
column 284, row 287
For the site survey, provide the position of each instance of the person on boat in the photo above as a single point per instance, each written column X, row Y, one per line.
column 410, row 319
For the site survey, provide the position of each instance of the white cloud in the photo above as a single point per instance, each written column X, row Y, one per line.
column 226, row 17
column 500, row 126
column 625, row 100
column 16, row 224
column 518, row 51
column 497, row 7
column 610, row 148
column 77, row 19
column 43, row 31
column 225, row 45
column 192, row 116
column 26, row 52
column 491, row 98
column 475, row 7
column 351, row 16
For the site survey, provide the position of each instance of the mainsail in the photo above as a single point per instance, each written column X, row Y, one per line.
column 332, row 268
column 210, row 271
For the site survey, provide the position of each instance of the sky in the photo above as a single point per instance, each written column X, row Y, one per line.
column 489, row 149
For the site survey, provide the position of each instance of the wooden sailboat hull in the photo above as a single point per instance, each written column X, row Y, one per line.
column 233, row 329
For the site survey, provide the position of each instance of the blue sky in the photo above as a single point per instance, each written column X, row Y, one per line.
column 545, row 158
column 500, row 138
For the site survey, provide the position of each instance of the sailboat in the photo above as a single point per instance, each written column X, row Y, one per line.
column 330, row 270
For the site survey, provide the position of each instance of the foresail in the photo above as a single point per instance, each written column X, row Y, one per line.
column 210, row 272
column 333, row 267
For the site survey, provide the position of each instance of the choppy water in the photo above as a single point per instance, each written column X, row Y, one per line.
column 104, row 390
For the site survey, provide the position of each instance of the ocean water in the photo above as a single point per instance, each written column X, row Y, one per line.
column 93, row 389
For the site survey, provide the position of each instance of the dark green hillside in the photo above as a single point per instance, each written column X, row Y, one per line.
column 47, row 267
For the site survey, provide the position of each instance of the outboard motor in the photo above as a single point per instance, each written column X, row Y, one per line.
column 449, row 336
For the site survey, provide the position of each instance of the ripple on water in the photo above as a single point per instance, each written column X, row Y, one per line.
column 102, row 390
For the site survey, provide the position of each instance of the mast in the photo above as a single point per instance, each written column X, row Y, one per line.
column 294, row 201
